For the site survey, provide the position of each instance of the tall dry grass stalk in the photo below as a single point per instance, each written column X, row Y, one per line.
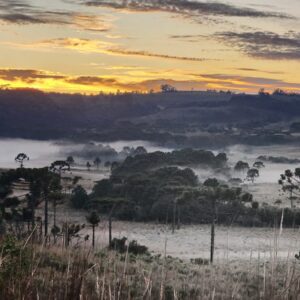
column 31, row 271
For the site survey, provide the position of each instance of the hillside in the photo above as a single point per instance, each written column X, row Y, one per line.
column 184, row 118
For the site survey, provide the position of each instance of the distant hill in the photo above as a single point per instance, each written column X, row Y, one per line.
column 189, row 118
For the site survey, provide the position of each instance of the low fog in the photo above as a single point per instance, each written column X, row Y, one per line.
column 43, row 153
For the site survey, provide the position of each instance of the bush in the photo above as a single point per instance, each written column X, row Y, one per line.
column 15, row 260
column 133, row 247
column 137, row 249
column 9, row 202
column 200, row 261
column 118, row 244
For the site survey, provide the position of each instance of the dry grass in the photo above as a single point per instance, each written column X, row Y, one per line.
column 36, row 271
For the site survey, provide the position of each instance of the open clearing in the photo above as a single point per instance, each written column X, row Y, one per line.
column 191, row 240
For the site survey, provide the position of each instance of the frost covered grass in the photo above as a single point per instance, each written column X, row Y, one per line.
column 31, row 270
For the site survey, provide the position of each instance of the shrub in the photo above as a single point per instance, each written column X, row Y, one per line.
column 133, row 247
column 137, row 249
column 118, row 244
column 200, row 261
column 15, row 260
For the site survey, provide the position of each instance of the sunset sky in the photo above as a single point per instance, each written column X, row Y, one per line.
column 102, row 45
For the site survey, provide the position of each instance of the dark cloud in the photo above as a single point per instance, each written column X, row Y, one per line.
column 89, row 22
column 187, row 36
column 31, row 76
column 26, row 75
column 92, row 80
column 247, row 81
column 184, row 7
column 258, row 70
column 14, row 4
column 21, row 19
column 97, row 46
column 122, row 51
column 18, row 12
column 22, row 13
column 264, row 44
column 191, row 38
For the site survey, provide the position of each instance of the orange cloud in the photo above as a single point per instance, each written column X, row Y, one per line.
column 48, row 81
column 93, row 81
column 27, row 75
column 80, row 45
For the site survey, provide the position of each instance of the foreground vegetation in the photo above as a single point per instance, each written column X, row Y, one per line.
column 31, row 270
column 42, row 259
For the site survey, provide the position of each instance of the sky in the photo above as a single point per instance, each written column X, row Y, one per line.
column 92, row 46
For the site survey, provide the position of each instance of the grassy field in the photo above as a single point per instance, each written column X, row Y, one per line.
column 250, row 263
column 32, row 270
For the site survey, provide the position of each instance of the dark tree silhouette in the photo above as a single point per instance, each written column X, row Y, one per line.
column 71, row 231
column 94, row 219
column 114, row 165
column 212, row 185
column 290, row 183
column 107, row 164
column 222, row 194
column 40, row 185
column 140, row 150
column 70, row 160
column 175, row 204
column 59, row 167
column 50, row 187
column 20, row 158
column 97, row 162
column 252, row 174
column 263, row 93
column 79, row 197
column 241, row 166
column 109, row 204
column 280, row 92
column 258, row 165
column 35, row 194
column 167, row 88
column 88, row 166
column 5, row 190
